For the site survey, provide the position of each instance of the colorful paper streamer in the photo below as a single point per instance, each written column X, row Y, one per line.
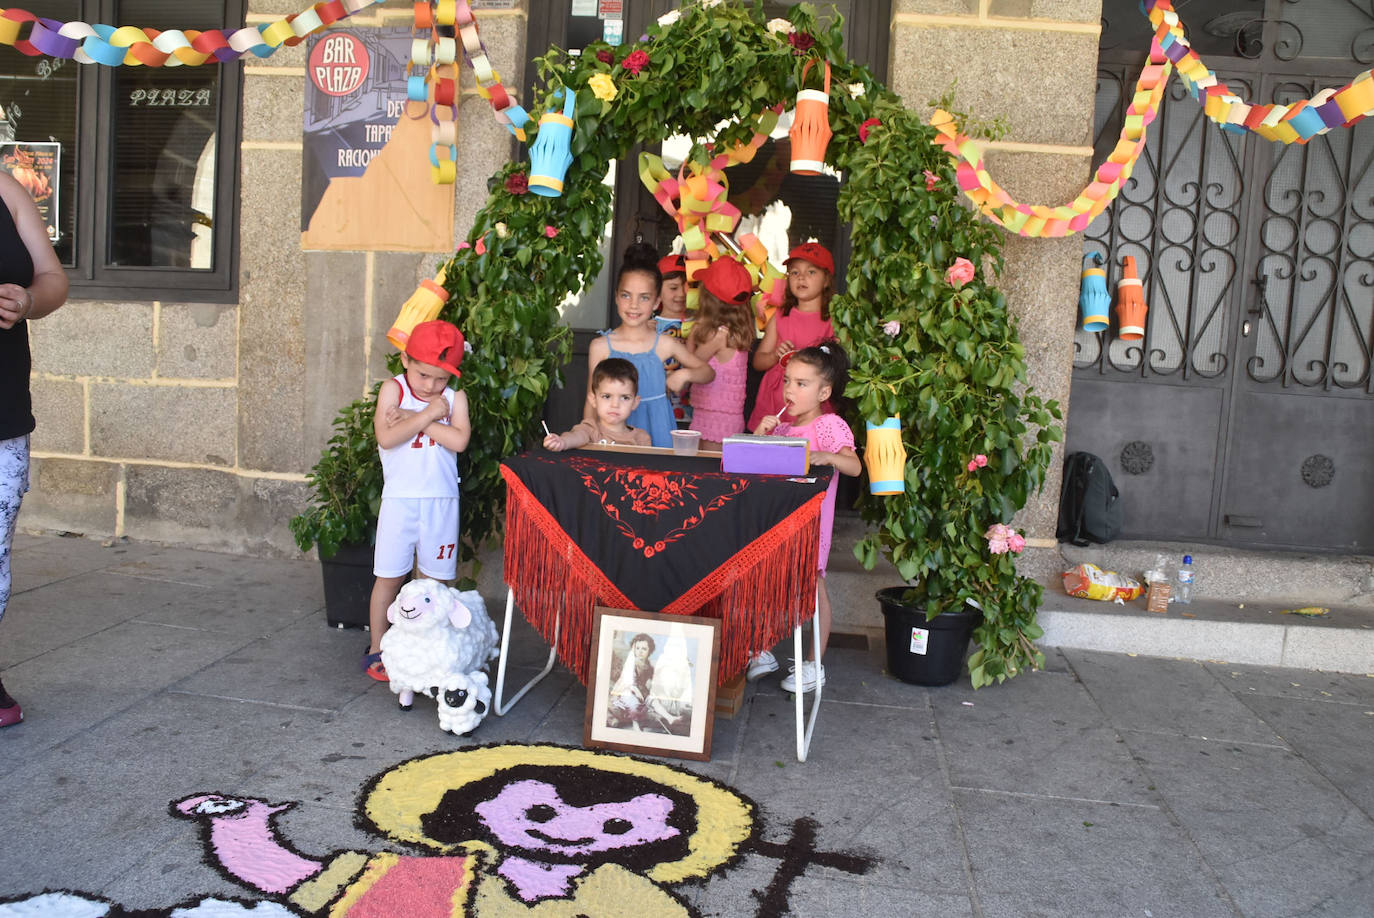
column 1169, row 50
column 132, row 46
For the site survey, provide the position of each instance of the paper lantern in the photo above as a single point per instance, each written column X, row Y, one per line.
column 1130, row 303
column 551, row 155
column 1094, row 302
column 422, row 306
column 810, row 133
column 885, row 457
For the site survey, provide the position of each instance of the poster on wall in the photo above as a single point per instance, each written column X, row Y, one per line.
column 35, row 166
column 365, row 179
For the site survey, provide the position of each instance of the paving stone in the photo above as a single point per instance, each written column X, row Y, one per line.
column 1257, row 813
column 1037, row 857
column 1158, row 695
column 991, row 734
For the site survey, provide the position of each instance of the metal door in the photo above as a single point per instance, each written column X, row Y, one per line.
column 1246, row 415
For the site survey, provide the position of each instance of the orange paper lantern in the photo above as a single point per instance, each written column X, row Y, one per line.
column 1130, row 303
column 810, row 132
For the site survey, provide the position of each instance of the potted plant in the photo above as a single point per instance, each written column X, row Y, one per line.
column 934, row 345
column 346, row 484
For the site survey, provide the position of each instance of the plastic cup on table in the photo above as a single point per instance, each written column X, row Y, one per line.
column 686, row 442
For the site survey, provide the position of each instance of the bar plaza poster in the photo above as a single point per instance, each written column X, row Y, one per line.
column 35, row 166
column 365, row 183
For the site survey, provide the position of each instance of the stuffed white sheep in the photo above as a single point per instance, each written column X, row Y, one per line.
column 437, row 634
column 463, row 700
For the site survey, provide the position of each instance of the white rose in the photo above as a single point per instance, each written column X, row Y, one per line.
column 779, row 26
column 707, row 4
column 856, row 90
column 502, row 231
column 669, row 18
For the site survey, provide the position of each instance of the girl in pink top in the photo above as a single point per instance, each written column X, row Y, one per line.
column 803, row 321
column 722, row 336
column 811, row 376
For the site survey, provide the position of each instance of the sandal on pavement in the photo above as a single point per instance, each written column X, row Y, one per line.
column 10, row 712
column 372, row 666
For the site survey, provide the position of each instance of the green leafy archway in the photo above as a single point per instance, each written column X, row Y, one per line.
column 944, row 358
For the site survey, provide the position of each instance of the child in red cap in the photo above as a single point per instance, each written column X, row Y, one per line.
column 723, row 334
column 803, row 321
column 421, row 425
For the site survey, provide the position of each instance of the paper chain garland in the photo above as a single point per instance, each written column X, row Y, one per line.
column 1296, row 123
column 706, row 219
column 132, row 46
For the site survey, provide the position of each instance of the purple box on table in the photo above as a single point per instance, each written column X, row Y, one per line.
column 755, row 454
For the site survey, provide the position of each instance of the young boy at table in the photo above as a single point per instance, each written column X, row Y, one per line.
column 615, row 394
column 421, row 425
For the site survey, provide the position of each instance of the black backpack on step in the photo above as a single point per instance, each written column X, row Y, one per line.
column 1089, row 503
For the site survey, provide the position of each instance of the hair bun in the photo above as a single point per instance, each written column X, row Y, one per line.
column 640, row 256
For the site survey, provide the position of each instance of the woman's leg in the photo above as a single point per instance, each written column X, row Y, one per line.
column 14, row 481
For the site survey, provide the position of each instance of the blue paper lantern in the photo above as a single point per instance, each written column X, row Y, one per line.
column 550, row 156
column 1094, row 302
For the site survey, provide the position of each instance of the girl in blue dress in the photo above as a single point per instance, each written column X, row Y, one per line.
column 637, row 340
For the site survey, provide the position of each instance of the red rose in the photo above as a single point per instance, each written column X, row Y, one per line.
column 863, row 129
column 605, row 56
column 801, row 42
column 635, row 62
column 517, row 183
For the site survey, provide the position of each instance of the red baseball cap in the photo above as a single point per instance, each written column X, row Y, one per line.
column 437, row 343
column 815, row 253
column 669, row 265
column 727, row 280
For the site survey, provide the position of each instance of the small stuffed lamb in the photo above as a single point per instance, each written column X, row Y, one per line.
column 438, row 635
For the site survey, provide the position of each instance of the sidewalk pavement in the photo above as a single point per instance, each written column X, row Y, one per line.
column 1106, row 785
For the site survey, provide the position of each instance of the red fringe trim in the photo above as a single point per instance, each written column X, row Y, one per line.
column 552, row 577
column 763, row 591
column 760, row 594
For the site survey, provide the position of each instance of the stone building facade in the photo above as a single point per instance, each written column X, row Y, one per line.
column 196, row 423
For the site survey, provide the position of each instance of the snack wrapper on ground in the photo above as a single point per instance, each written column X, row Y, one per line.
column 1089, row 581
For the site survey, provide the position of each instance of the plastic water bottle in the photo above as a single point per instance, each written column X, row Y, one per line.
column 1184, row 592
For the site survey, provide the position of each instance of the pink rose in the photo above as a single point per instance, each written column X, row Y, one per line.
column 997, row 546
column 517, row 183
column 977, row 462
column 550, row 231
column 464, row 245
column 481, row 246
column 892, row 328
column 960, row 273
column 931, row 179
column 1016, row 542
column 972, row 466
column 865, row 127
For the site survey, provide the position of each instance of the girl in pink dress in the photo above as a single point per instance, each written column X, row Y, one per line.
column 722, row 335
column 802, row 321
column 811, row 376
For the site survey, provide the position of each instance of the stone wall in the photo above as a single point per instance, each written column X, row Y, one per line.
column 196, row 424
column 1034, row 64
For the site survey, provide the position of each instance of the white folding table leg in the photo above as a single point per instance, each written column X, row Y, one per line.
column 804, row 735
column 499, row 707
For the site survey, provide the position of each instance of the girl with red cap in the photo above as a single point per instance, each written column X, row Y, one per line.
column 722, row 336
column 803, row 321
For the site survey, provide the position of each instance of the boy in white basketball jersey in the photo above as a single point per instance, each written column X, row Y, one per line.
column 421, row 425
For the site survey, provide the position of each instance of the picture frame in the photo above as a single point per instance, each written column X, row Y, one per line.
column 664, row 704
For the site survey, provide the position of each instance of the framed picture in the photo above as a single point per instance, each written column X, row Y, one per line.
column 653, row 683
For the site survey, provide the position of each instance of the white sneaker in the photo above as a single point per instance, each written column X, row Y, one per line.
column 812, row 675
column 760, row 665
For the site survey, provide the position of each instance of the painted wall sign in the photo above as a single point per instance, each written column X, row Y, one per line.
column 365, row 182
column 338, row 64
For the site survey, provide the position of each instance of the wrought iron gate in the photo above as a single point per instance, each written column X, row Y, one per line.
column 1246, row 415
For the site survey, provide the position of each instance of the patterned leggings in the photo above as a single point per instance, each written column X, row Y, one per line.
column 14, row 481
